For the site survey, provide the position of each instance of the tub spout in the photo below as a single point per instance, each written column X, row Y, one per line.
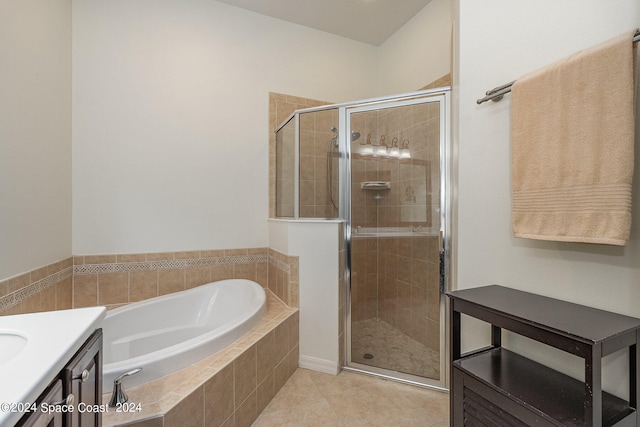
column 119, row 396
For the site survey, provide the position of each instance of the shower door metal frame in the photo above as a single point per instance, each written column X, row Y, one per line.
column 441, row 95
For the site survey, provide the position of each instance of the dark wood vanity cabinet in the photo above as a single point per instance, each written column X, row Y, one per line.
column 82, row 377
column 79, row 386
column 493, row 386
column 52, row 394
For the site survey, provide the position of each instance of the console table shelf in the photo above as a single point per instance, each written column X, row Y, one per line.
column 495, row 386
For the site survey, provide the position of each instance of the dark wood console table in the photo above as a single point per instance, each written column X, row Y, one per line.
column 496, row 387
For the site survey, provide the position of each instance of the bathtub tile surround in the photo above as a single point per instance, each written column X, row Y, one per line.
column 44, row 289
column 113, row 280
column 230, row 387
column 284, row 277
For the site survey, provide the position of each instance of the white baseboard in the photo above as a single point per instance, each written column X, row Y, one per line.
column 320, row 365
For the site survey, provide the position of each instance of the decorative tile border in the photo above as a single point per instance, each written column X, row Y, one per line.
column 22, row 294
column 105, row 264
column 166, row 265
column 280, row 264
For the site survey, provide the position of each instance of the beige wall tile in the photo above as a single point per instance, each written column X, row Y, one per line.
column 187, row 255
column 189, row 412
column 113, row 288
column 281, row 374
column 160, row 256
column 170, row 281
column 245, row 271
column 219, row 397
column 266, row 356
column 247, row 413
column 64, row 294
column 151, row 422
column 262, row 273
column 212, row 254
column 143, row 285
column 231, row 422
column 197, row 276
column 236, row 252
column 221, row 272
column 131, row 258
column 16, row 309
column 18, row 282
column 281, row 337
column 85, row 290
column 244, row 376
column 4, row 288
column 48, row 299
column 31, row 304
column 39, row 274
column 99, row 259
column 265, row 392
column 294, row 330
column 292, row 359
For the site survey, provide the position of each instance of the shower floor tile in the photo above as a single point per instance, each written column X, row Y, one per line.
column 392, row 349
column 348, row 399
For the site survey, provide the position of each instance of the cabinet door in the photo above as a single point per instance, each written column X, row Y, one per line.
column 83, row 379
column 49, row 419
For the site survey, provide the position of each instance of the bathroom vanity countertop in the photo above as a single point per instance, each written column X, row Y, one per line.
column 33, row 350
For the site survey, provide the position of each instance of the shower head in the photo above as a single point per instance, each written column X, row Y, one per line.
column 355, row 135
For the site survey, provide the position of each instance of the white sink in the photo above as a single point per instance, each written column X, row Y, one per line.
column 35, row 347
column 11, row 344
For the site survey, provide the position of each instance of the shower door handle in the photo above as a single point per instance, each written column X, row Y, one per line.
column 441, row 253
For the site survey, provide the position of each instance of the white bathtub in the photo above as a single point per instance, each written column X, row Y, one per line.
column 167, row 333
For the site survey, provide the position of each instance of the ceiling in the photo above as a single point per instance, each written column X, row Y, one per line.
column 368, row 21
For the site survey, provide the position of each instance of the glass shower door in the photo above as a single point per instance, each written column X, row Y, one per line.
column 396, row 224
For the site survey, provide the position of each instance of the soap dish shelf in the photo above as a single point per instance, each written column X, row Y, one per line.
column 375, row 185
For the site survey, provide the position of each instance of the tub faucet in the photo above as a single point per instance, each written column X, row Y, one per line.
column 119, row 396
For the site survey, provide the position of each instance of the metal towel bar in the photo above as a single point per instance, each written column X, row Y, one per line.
column 497, row 93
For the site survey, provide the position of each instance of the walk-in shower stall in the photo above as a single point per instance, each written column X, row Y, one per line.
column 382, row 166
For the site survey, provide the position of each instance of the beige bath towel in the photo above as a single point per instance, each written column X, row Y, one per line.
column 572, row 147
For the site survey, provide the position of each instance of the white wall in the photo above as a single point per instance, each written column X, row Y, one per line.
column 319, row 291
column 35, row 134
column 170, row 110
column 418, row 53
column 496, row 42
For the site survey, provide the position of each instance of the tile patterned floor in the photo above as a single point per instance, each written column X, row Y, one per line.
column 315, row 399
column 391, row 349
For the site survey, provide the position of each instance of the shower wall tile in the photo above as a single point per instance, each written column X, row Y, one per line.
column 443, row 81
column 280, row 107
column 409, row 286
